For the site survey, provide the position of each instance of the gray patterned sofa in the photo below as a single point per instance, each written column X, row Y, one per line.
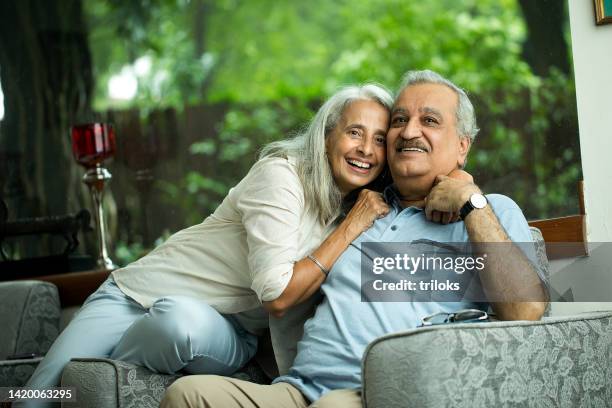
column 29, row 323
column 555, row 362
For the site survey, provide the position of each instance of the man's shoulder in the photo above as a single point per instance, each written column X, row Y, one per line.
column 500, row 202
column 511, row 217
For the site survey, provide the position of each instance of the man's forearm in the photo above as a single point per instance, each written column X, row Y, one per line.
column 509, row 279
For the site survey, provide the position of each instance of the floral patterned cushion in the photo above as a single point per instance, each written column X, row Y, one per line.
column 29, row 317
column 557, row 362
column 29, row 323
column 542, row 259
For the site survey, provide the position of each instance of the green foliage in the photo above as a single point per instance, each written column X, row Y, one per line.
column 162, row 30
column 194, row 194
column 126, row 253
column 272, row 64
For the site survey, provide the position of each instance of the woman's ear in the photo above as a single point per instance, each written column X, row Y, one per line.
column 464, row 148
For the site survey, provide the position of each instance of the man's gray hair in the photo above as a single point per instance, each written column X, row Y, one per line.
column 466, row 119
column 307, row 148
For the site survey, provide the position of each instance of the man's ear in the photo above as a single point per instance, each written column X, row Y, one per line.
column 464, row 148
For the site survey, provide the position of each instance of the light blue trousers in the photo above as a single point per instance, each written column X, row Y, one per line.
column 176, row 333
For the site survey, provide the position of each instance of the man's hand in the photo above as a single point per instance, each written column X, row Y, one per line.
column 448, row 195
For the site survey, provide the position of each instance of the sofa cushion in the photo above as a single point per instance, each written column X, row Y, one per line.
column 557, row 362
column 29, row 317
column 540, row 246
column 542, row 259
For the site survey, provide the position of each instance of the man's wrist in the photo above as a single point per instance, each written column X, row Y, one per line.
column 467, row 192
column 477, row 201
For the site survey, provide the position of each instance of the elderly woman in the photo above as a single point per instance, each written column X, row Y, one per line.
column 197, row 302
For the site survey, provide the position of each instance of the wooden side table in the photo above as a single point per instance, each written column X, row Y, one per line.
column 75, row 287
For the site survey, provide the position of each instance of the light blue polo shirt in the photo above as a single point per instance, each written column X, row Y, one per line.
column 329, row 355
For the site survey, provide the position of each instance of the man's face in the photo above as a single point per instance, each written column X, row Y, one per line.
column 422, row 140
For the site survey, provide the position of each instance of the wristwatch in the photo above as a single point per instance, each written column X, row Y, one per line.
column 476, row 201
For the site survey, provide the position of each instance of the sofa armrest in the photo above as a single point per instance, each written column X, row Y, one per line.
column 106, row 383
column 95, row 382
column 563, row 361
column 15, row 373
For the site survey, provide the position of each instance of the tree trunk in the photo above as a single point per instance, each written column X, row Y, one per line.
column 545, row 45
column 45, row 68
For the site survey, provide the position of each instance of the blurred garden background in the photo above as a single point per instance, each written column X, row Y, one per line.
column 195, row 87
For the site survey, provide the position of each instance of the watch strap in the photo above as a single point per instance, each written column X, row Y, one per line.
column 468, row 207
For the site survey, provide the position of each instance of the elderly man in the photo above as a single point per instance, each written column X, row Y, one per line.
column 432, row 129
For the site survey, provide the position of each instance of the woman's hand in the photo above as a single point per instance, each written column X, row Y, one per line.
column 449, row 217
column 369, row 207
column 461, row 175
column 307, row 276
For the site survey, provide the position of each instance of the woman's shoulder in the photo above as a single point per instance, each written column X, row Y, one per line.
column 270, row 176
column 280, row 161
column 276, row 168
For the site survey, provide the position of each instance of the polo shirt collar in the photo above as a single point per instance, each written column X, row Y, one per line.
column 392, row 197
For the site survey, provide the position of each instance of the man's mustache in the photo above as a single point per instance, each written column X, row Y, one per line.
column 410, row 144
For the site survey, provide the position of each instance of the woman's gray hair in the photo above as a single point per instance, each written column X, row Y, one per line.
column 466, row 119
column 308, row 148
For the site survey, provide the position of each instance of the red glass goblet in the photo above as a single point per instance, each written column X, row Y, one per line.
column 93, row 143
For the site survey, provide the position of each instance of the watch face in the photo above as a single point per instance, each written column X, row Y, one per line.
column 478, row 201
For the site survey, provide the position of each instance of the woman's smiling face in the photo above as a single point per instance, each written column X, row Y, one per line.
column 356, row 147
